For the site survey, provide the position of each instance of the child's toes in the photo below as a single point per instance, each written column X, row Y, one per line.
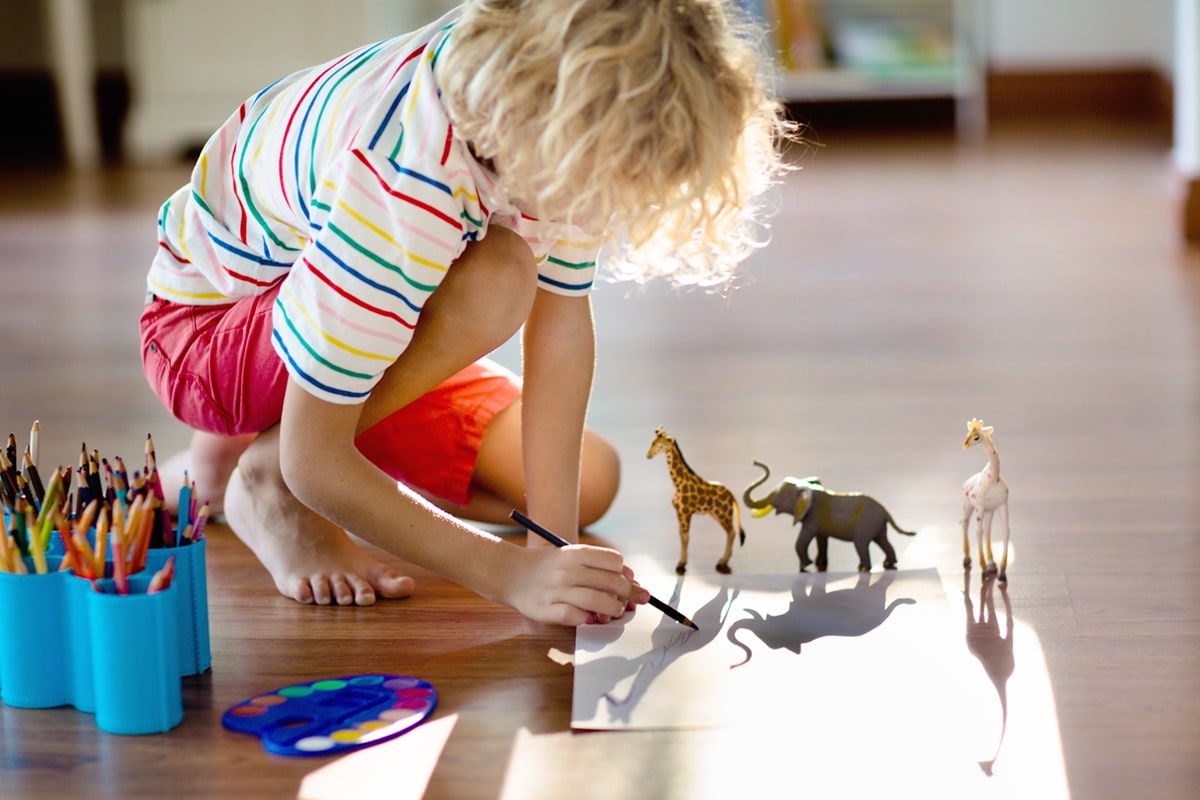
column 392, row 584
column 299, row 589
column 339, row 589
column 322, row 592
column 359, row 590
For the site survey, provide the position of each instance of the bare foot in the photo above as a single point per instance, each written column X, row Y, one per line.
column 310, row 559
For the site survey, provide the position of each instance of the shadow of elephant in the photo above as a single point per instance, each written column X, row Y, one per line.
column 814, row 613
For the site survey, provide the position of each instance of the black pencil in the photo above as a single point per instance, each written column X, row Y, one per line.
column 558, row 541
column 34, row 479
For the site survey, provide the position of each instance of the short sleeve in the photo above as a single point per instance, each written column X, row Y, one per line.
column 569, row 267
column 383, row 238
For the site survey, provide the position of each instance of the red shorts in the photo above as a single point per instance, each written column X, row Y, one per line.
column 215, row 369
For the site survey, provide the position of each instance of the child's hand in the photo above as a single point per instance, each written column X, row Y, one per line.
column 639, row 596
column 574, row 585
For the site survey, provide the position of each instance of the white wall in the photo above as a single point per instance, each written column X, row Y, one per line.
column 407, row 15
column 1071, row 34
column 1187, row 88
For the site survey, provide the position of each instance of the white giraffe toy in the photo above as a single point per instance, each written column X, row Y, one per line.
column 984, row 494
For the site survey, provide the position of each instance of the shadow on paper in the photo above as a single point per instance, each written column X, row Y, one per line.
column 649, row 671
column 815, row 612
column 670, row 641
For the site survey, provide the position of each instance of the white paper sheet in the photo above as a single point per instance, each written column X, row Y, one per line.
column 778, row 647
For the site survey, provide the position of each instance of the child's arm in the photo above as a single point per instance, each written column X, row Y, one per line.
column 559, row 360
column 326, row 472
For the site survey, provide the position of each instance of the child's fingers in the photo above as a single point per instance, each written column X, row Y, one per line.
column 584, row 584
column 638, row 597
column 595, row 602
column 600, row 569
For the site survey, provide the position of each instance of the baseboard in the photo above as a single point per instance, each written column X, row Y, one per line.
column 1132, row 94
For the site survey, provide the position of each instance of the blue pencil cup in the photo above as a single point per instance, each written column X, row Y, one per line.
column 35, row 655
column 119, row 657
column 77, row 629
column 195, row 654
column 135, row 652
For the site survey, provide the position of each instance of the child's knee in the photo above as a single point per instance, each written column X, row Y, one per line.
column 600, row 479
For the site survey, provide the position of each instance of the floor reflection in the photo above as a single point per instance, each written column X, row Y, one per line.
column 993, row 650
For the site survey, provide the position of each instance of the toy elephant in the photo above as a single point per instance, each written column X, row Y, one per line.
column 850, row 516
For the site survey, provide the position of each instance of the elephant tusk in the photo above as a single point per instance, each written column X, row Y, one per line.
column 761, row 512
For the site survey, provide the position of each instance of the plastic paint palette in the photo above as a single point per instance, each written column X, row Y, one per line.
column 333, row 715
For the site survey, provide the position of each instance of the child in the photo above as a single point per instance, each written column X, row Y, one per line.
column 358, row 236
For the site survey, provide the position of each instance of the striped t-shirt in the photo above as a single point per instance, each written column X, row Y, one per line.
column 346, row 183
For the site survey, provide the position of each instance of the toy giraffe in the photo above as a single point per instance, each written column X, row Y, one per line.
column 984, row 493
column 694, row 495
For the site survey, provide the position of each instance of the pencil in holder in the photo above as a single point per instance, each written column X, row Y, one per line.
column 135, row 652
column 35, row 655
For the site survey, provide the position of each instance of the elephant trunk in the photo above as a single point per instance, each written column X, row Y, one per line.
column 732, row 635
column 758, row 505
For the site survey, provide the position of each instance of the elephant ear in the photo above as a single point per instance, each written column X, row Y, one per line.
column 803, row 502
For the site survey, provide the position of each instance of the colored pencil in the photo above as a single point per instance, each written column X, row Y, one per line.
column 17, row 527
column 558, row 541
column 35, row 438
column 122, row 481
column 5, row 553
column 120, row 579
column 95, row 487
column 151, row 460
column 26, row 491
column 51, row 498
column 201, row 520
column 102, row 540
column 183, row 514
column 162, row 579
column 36, row 547
column 68, row 475
column 34, row 478
column 8, row 480
column 110, row 482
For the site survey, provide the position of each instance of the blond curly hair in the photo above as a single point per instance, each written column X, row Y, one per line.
column 647, row 119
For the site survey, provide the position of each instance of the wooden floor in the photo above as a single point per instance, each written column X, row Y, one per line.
column 1036, row 281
